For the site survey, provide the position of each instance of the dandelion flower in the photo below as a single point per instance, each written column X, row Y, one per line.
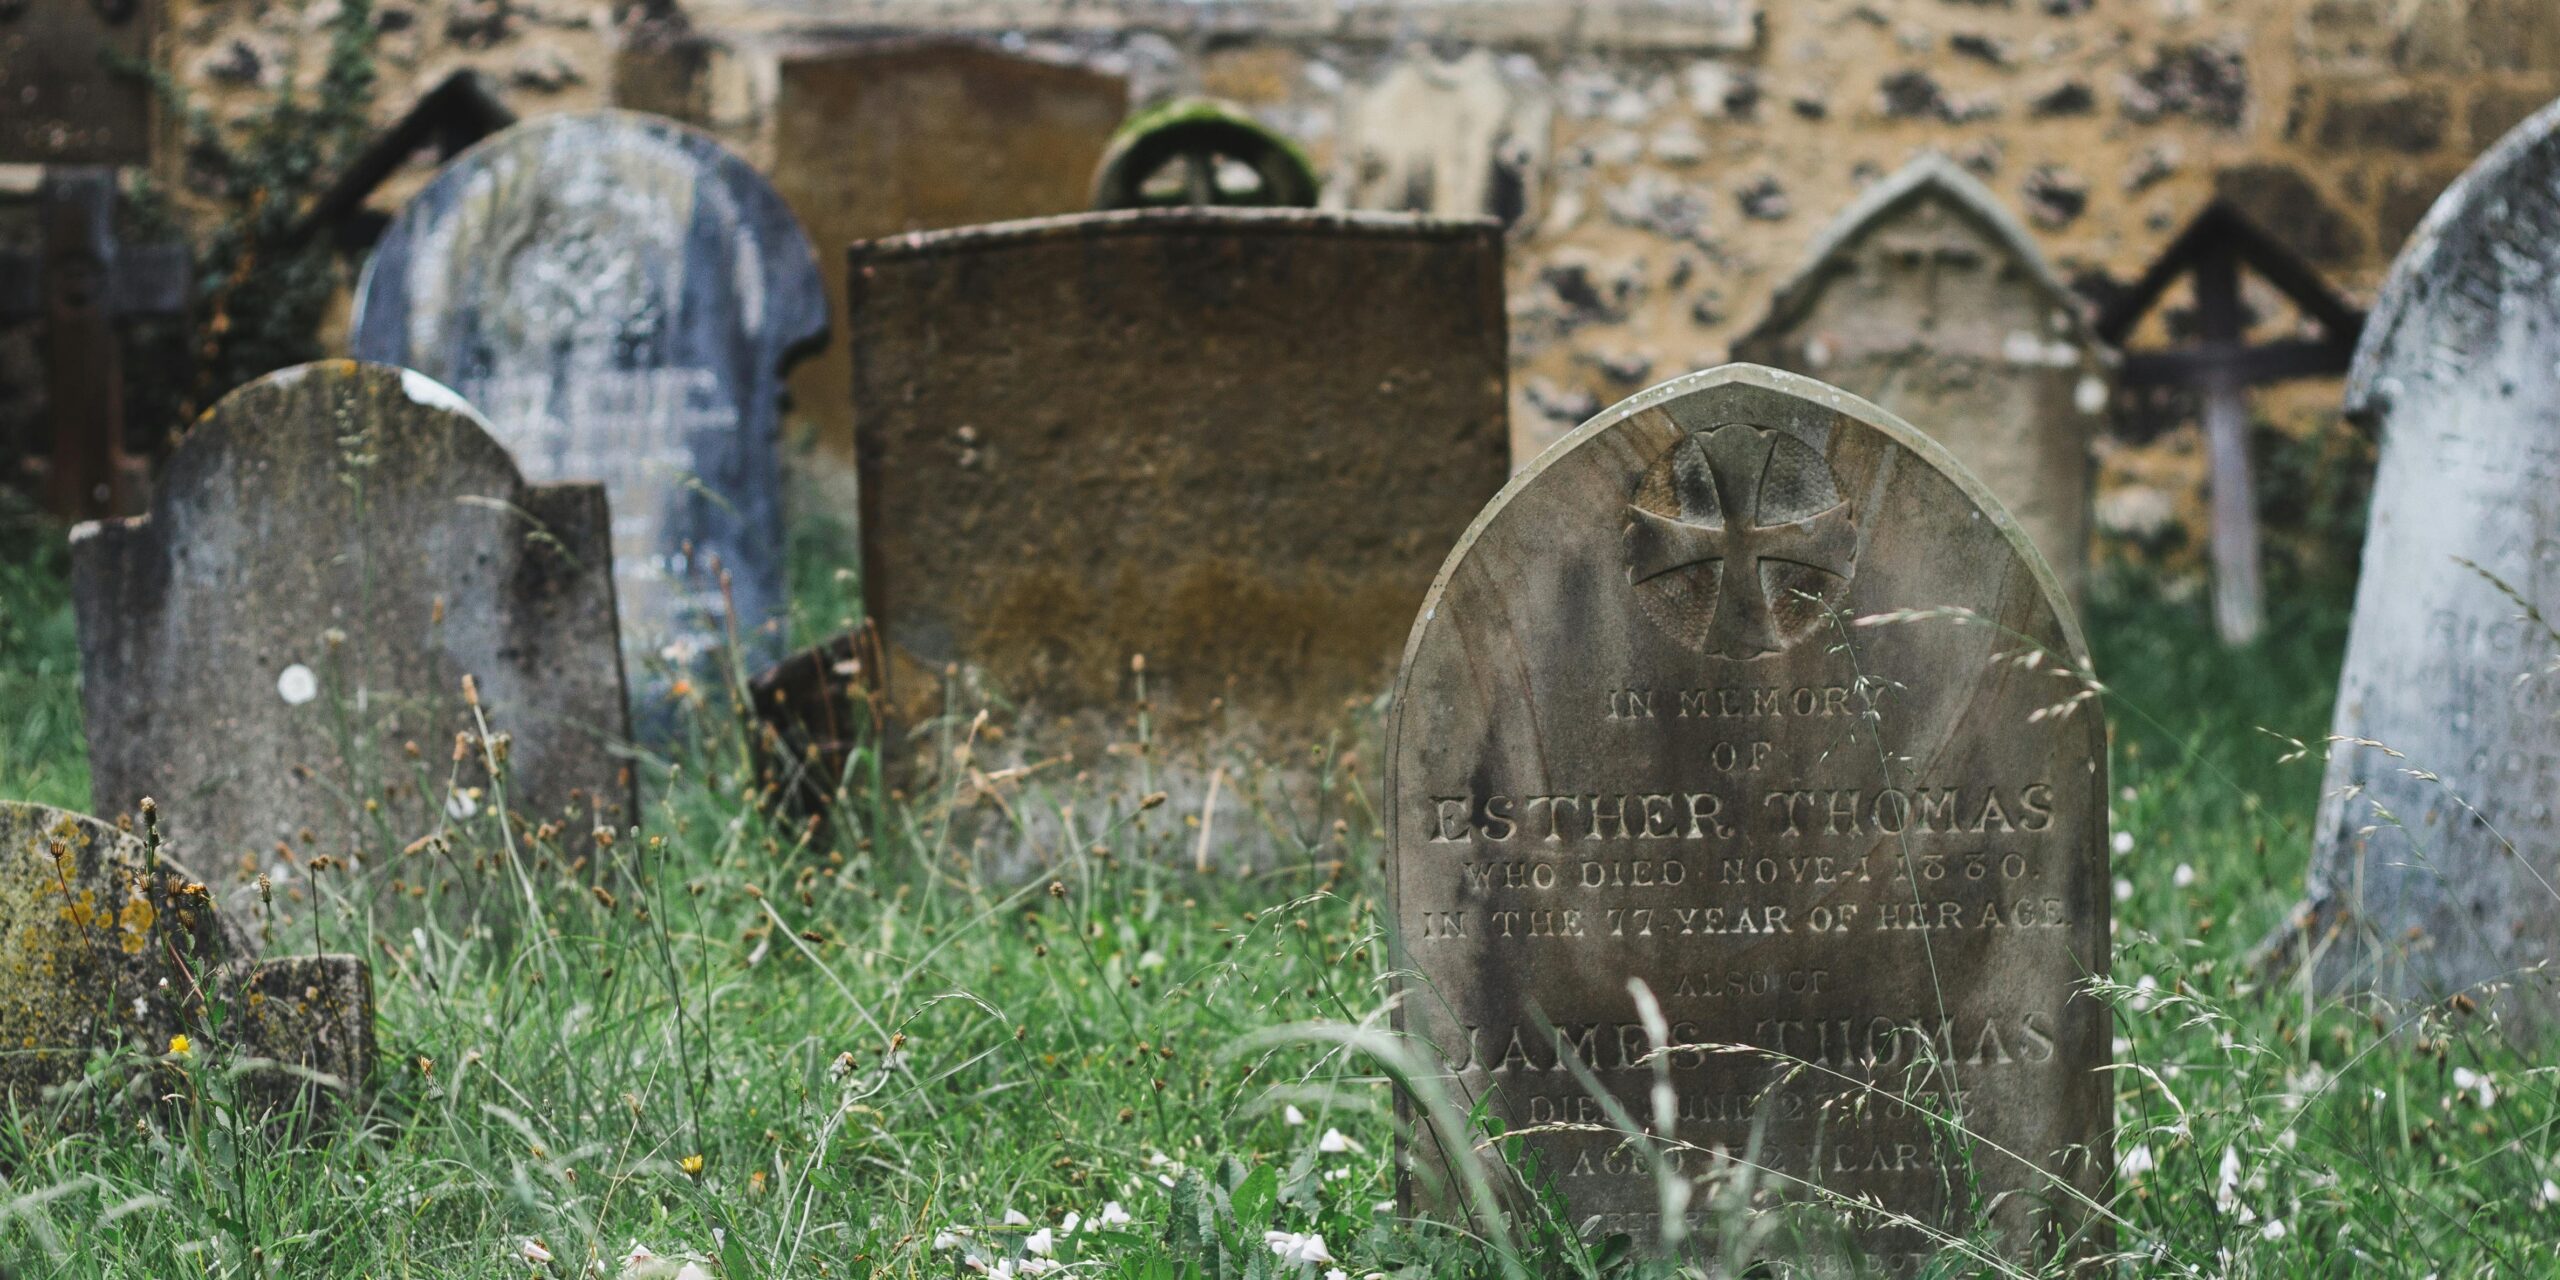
column 181, row 1046
column 1293, row 1115
column 692, row 1165
column 296, row 685
column 1334, row 1143
column 1295, row 1248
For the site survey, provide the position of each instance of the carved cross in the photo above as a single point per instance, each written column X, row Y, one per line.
column 1721, row 482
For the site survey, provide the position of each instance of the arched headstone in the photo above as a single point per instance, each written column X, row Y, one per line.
column 1746, row 691
column 1928, row 298
column 275, row 649
column 619, row 294
column 1199, row 153
column 2436, row 851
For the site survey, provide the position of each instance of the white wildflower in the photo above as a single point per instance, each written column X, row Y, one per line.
column 1067, row 1226
column 1113, row 1215
column 1015, row 1218
column 2470, row 1081
column 1337, row 1273
column 1383, row 1206
column 2274, row 1230
column 532, row 1251
column 2124, row 889
column 1335, row 1142
column 950, row 1238
column 1295, row 1248
column 1293, row 1115
column 1041, row 1244
column 461, row 804
column 2137, row 1162
column 2124, row 842
column 296, row 685
column 2226, row 1187
column 1038, row 1266
column 2184, row 876
column 2549, row 1194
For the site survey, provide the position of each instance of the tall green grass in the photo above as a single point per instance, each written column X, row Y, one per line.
column 854, row 1055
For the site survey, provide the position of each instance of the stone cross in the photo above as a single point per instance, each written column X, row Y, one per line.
column 1197, row 153
column 277, row 652
column 2223, row 364
column 1822, row 892
column 620, row 294
column 1929, row 298
column 2435, row 851
column 79, row 284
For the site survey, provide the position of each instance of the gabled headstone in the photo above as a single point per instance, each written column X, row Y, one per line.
column 1928, row 298
column 108, row 944
column 276, row 654
column 910, row 135
column 2435, row 858
column 1229, row 442
column 619, row 294
column 1747, row 692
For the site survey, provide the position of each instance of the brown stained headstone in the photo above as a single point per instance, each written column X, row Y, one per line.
column 1232, row 442
column 109, row 944
column 276, row 653
column 902, row 136
column 1747, row 692
column 2438, row 838
column 1928, row 298
column 76, row 76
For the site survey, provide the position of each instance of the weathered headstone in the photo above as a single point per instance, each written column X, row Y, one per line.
column 903, row 136
column 1228, row 441
column 1199, row 152
column 106, row 945
column 619, row 294
column 1928, row 298
column 276, row 654
column 1747, row 691
column 75, row 80
column 2436, row 851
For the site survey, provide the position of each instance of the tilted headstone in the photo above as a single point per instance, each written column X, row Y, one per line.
column 619, row 294
column 1231, row 442
column 1748, row 692
column 1928, row 298
column 107, row 945
column 907, row 135
column 2436, row 850
column 276, row 654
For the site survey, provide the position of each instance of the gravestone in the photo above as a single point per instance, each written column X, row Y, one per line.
column 1646, row 732
column 2435, row 851
column 76, row 76
column 1228, row 441
column 277, row 652
column 907, row 135
column 1928, row 298
column 619, row 294
column 107, row 944
column 1196, row 152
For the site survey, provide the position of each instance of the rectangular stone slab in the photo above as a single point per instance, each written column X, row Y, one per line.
column 924, row 135
column 330, row 551
column 69, row 99
column 1643, row 735
column 1233, row 442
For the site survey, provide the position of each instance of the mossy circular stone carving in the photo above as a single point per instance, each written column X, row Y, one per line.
column 1199, row 152
column 98, row 947
column 1747, row 692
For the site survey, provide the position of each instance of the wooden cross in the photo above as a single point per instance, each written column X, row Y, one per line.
column 2222, row 365
column 78, row 284
column 1722, row 487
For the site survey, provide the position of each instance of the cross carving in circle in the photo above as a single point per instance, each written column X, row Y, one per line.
column 1730, row 516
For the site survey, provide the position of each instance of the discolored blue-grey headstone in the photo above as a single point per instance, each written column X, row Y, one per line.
column 619, row 294
column 2438, row 840
column 276, row 653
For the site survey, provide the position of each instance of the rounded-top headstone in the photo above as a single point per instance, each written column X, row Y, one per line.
column 1748, row 693
column 2435, row 848
column 620, row 294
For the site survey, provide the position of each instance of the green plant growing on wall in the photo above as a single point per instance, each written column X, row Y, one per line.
column 263, row 287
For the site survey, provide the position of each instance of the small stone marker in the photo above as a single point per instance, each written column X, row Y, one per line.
column 106, row 946
column 1229, row 441
column 619, row 294
column 1642, row 734
column 904, row 135
column 331, row 551
column 1928, row 298
column 2436, row 851
column 1199, row 152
